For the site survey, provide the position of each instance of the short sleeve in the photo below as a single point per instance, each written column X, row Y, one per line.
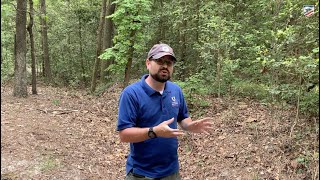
column 128, row 111
column 183, row 110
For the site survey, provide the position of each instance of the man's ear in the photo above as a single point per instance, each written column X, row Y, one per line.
column 148, row 63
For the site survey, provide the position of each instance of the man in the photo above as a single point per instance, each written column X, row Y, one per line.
column 149, row 111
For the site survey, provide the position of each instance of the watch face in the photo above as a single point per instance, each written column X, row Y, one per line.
column 151, row 134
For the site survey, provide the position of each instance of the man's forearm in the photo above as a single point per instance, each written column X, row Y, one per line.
column 134, row 134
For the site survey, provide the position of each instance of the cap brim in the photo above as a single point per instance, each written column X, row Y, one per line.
column 159, row 55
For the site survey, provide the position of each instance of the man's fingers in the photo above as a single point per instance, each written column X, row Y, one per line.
column 208, row 123
column 177, row 130
column 169, row 121
column 178, row 133
column 206, row 119
column 206, row 132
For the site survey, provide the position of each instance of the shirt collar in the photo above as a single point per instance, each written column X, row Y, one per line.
column 148, row 89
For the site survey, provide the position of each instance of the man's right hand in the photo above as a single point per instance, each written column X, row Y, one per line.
column 163, row 130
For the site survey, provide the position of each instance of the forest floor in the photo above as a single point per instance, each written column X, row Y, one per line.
column 67, row 134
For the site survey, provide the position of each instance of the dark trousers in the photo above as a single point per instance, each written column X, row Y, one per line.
column 131, row 176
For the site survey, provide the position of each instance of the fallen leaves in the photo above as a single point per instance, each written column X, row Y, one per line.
column 79, row 130
column 251, row 119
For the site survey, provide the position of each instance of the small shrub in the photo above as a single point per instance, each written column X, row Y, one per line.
column 193, row 88
column 309, row 103
column 56, row 102
column 49, row 163
column 249, row 89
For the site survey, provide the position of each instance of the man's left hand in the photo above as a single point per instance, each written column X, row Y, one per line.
column 200, row 126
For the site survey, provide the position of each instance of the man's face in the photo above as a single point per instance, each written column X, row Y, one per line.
column 161, row 69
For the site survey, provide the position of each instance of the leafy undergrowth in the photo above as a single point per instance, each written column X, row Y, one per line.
column 67, row 134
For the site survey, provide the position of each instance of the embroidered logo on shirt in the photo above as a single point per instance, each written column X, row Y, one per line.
column 174, row 102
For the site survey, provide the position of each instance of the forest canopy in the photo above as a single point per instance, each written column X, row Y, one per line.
column 266, row 50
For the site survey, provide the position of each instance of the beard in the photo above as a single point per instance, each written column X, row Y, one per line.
column 161, row 78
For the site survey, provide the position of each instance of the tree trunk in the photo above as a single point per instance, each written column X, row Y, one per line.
column 81, row 53
column 1, row 53
column 32, row 50
column 45, row 47
column 297, row 106
column 183, row 48
column 198, row 4
column 96, row 70
column 130, row 57
column 161, row 26
column 107, row 40
column 182, row 42
column 20, row 70
column 219, row 61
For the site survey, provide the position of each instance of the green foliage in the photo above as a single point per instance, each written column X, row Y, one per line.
column 7, row 66
column 309, row 103
column 130, row 17
column 250, row 89
column 192, row 88
column 194, row 84
column 71, row 63
column 49, row 163
column 260, row 49
column 56, row 102
column 7, row 40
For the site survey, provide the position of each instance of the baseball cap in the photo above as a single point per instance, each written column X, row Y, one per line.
column 160, row 50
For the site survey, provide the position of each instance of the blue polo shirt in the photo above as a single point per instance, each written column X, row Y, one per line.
column 141, row 106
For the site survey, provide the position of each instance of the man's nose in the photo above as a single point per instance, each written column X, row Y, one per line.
column 165, row 64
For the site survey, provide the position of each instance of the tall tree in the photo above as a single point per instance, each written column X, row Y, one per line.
column 107, row 40
column 130, row 58
column 161, row 29
column 20, row 70
column 130, row 19
column 81, row 51
column 44, row 37
column 1, row 53
column 32, row 50
column 183, row 41
column 96, row 69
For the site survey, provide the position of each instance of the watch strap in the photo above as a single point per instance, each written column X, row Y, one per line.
column 151, row 133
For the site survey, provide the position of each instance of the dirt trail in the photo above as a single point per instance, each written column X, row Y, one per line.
column 67, row 134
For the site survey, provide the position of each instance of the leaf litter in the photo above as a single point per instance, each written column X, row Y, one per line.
column 67, row 134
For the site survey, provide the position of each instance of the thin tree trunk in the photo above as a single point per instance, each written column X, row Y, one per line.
column 81, row 53
column 68, row 49
column 161, row 24
column 183, row 46
column 1, row 53
column 198, row 3
column 219, row 72
column 103, row 72
column 129, row 63
column 96, row 70
column 32, row 50
column 45, row 47
column 196, row 56
column 20, row 70
column 107, row 40
column 274, row 74
column 162, row 27
column 297, row 106
column 183, row 49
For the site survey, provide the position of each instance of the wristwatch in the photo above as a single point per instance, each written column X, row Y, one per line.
column 151, row 133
